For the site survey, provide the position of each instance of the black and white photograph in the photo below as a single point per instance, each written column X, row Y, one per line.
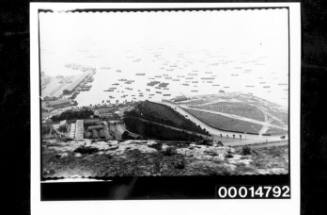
column 162, row 94
column 154, row 100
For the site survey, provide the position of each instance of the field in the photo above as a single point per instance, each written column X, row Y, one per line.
column 275, row 131
column 278, row 123
column 163, row 114
column 281, row 115
column 236, row 108
column 225, row 123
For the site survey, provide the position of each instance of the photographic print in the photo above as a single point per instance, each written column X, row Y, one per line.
column 164, row 93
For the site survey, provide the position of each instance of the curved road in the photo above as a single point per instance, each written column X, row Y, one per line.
column 248, row 138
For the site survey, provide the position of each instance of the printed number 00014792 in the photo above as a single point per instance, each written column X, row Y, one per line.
column 231, row 192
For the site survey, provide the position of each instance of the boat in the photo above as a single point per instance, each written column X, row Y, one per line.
column 110, row 89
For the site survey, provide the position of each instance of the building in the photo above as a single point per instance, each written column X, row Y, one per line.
column 179, row 98
column 71, row 134
column 95, row 127
column 63, row 123
column 79, row 130
column 76, row 82
column 61, row 103
column 117, row 129
column 105, row 112
column 55, row 126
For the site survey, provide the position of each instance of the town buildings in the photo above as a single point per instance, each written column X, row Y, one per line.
column 79, row 131
column 104, row 112
column 60, row 103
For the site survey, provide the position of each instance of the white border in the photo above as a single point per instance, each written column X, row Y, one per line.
column 230, row 207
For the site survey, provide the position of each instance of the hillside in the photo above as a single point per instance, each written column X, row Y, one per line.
column 160, row 114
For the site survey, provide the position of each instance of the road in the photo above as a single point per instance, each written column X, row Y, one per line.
column 266, row 145
column 246, row 138
column 211, row 102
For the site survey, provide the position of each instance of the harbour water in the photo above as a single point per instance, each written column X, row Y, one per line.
column 163, row 73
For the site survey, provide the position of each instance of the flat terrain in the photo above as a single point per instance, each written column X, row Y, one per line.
column 55, row 86
column 237, row 108
column 225, row 123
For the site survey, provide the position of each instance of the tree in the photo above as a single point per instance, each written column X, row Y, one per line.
column 246, row 150
column 66, row 92
column 62, row 128
column 46, row 128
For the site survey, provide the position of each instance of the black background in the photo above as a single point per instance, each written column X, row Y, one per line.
column 15, row 106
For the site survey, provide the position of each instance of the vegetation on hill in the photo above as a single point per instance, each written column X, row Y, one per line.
column 154, row 131
column 45, row 129
column 83, row 113
column 163, row 114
